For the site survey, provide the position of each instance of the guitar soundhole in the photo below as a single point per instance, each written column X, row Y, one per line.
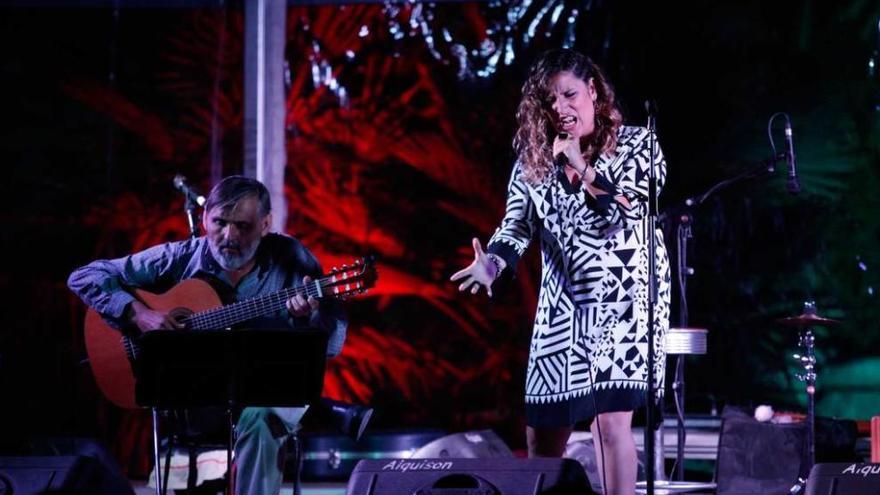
column 181, row 314
column 129, row 341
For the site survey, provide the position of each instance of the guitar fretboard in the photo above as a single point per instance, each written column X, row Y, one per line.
column 268, row 304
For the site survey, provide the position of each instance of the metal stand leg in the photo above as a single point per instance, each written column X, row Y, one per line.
column 298, row 463
column 807, row 341
column 808, row 360
column 678, row 397
column 659, row 455
column 230, row 471
column 167, row 465
column 192, row 474
column 156, row 450
column 685, row 232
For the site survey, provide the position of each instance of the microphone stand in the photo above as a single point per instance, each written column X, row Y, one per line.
column 192, row 218
column 764, row 166
column 650, row 454
column 189, row 206
column 684, row 232
column 685, row 221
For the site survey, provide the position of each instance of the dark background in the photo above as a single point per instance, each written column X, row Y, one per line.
column 102, row 106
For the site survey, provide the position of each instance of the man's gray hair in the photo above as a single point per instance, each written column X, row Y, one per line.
column 233, row 189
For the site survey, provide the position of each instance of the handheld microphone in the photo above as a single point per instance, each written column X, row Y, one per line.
column 560, row 160
column 191, row 195
column 793, row 186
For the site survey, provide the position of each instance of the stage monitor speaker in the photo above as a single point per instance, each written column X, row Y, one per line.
column 755, row 457
column 482, row 444
column 844, row 478
column 57, row 475
column 584, row 452
column 113, row 479
column 448, row 476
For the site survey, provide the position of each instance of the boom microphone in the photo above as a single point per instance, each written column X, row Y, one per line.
column 191, row 195
column 793, row 185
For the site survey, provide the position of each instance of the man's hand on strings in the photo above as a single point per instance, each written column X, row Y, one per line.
column 148, row 320
column 299, row 305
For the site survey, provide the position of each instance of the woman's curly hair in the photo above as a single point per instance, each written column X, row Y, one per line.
column 533, row 140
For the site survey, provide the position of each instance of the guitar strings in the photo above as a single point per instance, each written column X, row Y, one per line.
column 258, row 306
column 243, row 310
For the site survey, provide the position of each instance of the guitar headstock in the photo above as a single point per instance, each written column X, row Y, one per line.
column 352, row 279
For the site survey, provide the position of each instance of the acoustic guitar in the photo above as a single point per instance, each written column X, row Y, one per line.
column 193, row 302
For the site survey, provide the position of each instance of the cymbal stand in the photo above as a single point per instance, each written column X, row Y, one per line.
column 807, row 358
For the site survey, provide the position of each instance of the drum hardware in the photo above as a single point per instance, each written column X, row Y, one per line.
column 806, row 357
column 807, row 319
column 680, row 342
column 687, row 341
column 683, row 219
column 673, row 487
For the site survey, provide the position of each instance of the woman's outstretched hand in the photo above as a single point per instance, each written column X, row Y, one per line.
column 482, row 272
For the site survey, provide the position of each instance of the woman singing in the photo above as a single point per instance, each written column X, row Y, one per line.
column 580, row 184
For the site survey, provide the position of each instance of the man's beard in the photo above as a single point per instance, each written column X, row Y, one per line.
column 231, row 261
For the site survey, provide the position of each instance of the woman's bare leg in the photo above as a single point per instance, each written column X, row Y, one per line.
column 620, row 461
column 547, row 442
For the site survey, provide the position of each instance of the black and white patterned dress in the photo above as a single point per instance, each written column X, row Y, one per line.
column 589, row 342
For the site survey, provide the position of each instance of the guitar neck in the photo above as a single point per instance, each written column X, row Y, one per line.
column 269, row 304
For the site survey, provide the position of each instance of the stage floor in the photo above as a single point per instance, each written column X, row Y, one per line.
column 141, row 488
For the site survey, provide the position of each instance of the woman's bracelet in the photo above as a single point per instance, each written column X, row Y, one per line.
column 582, row 173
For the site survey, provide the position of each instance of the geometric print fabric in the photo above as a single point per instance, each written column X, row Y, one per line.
column 592, row 314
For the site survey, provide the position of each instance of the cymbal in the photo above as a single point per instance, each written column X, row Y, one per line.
column 808, row 320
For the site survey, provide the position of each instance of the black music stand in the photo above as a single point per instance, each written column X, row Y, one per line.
column 228, row 368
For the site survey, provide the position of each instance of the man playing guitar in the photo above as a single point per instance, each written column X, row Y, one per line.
column 241, row 260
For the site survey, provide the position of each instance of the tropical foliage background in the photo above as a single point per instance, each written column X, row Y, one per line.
column 103, row 110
